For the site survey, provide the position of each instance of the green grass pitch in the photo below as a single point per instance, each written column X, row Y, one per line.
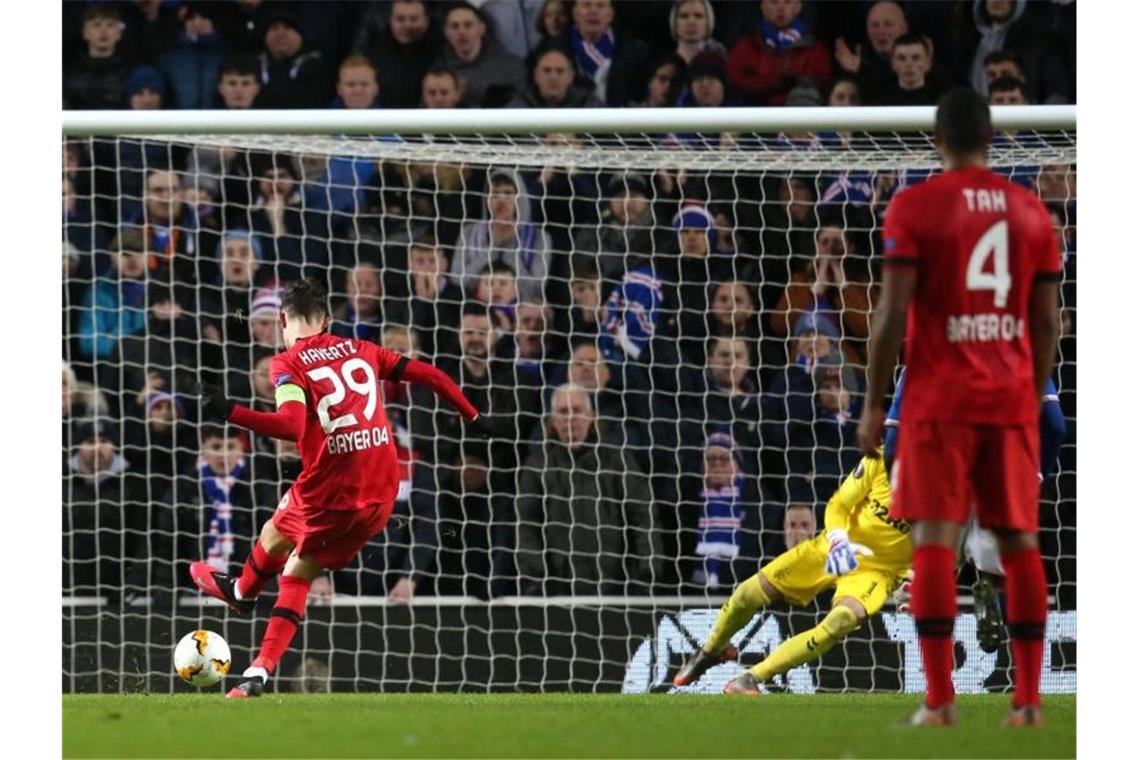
column 548, row 725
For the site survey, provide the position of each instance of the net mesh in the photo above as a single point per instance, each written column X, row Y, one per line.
column 687, row 286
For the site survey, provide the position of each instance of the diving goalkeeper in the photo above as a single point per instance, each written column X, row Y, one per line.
column 861, row 552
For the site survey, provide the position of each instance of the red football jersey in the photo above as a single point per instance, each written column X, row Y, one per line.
column 979, row 242
column 348, row 452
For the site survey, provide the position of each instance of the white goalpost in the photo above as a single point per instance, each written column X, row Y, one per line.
column 538, row 257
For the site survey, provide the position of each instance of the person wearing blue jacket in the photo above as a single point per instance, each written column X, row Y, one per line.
column 980, row 545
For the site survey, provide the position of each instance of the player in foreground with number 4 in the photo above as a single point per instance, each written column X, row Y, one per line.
column 861, row 552
column 328, row 401
column 970, row 273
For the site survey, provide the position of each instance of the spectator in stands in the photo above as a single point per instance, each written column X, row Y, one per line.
column 1007, row 91
column 691, row 23
column 725, row 553
column 886, row 22
column 402, row 43
column 695, row 265
column 489, row 74
column 822, row 445
column 586, row 297
column 101, row 492
column 97, row 78
column 554, row 84
column 790, row 395
column 192, row 60
column 617, row 63
column 765, row 65
column 435, row 299
column 1003, row 63
column 364, row 311
column 529, row 347
column 145, row 89
column 295, row 240
column 665, row 81
column 568, row 196
column 833, row 287
column 552, row 21
column 116, row 305
column 517, row 24
column 799, row 525
column 707, row 82
column 728, row 397
column 627, row 229
column 1014, row 26
column 733, row 314
column 291, row 77
column 242, row 274
column 497, row 290
column 238, row 84
column 506, row 235
column 441, row 88
column 80, row 400
column 911, row 59
column 264, row 310
column 356, row 85
column 585, row 524
column 174, row 236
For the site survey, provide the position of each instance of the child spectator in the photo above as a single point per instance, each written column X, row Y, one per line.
column 356, row 85
column 97, row 79
column 498, row 289
column 145, row 89
column 911, row 59
column 1007, row 91
column 238, row 84
column 1003, row 63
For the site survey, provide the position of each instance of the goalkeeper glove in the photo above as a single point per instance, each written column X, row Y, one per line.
column 481, row 427
column 902, row 593
column 213, row 403
column 842, row 556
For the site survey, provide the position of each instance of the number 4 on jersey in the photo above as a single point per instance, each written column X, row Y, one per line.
column 995, row 241
column 347, row 370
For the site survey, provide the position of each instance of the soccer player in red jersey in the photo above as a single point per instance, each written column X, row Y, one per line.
column 328, row 401
column 970, row 273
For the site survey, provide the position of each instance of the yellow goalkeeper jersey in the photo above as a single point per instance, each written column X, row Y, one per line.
column 862, row 507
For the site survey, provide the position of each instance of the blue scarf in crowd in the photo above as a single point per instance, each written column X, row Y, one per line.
column 719, row 529
column 219, row 512
column 782, row 39
column 592, row 56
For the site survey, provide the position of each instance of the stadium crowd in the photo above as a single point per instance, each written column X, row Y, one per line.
column 673, row 361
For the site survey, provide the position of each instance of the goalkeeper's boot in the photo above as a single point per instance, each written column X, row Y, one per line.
column 247, row 689
column 991, row 627
column 700, row 662
column 220, row 586
column 927, row 717
column 1025, row 717
column 744, row 684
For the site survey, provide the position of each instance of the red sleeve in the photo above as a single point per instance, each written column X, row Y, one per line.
column 415, row 371
column 287, row 423
column 282, row 371
column 385, row 361
column 899, row 244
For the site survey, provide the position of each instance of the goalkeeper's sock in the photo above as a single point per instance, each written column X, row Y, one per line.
column 260, row 567
column 809, row 645
column 738, row 610
column 1026, row 605
column 284, row 620
column 934, row 603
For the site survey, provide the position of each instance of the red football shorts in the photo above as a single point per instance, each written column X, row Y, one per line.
column 943, row 469
column 331, row 537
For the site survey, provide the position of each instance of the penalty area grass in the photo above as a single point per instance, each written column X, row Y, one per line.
column 549, row 725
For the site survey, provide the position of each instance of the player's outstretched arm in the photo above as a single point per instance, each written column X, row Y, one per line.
column 422, row 373
column 287, row 423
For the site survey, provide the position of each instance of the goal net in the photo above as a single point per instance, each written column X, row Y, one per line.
column 668, row 329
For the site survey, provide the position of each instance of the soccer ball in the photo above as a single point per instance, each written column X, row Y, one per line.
column 202, row 658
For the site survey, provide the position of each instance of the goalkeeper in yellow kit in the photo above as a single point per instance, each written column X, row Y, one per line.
column 861, row 552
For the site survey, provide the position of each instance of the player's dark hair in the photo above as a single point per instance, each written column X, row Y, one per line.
column 962, row 121
column 306, row 299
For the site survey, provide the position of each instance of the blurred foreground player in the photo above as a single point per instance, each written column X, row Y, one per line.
column 970, row 273
column 980, row 546
column 328, row 401
column 856, row 522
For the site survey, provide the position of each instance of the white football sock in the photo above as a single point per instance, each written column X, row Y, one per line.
column 251, row 671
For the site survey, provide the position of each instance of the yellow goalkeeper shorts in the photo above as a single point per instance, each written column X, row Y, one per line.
column 799, row 577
